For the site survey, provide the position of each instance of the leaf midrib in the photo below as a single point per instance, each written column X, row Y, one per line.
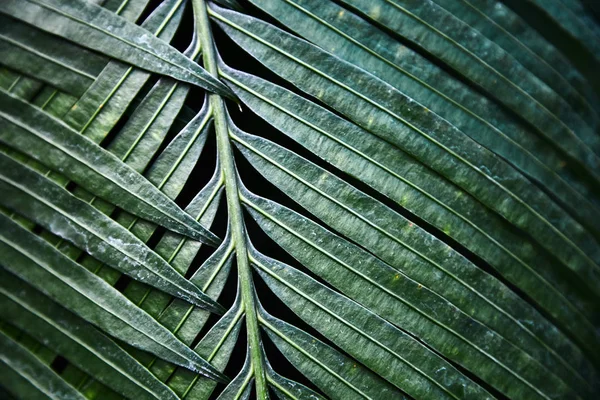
column 409, row 304
column 437, row 265
column 420, row 190
column 418, row 130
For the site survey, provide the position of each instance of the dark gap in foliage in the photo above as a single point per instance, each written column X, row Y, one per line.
column 210, row 322
column 201, row 256
column 152, row 4
column 156, row 236
column 271, row 303
column 183, row 36
column 226, row 299
column 282, row 366
column 236, row 362
column 272, row 393
column 37, row 93
column 122, row 283
column 116, row 129
column 201, row 173
column 83, row 255
column 59, row 364
column 219, row 228
column 70, row 186
column 37, row 229
column 129, row 112
column 567, row 44
column 5, row 394
column 593, row 8
column 230, row 290
column 196, row 98
column 220, row 225
column 237, row 58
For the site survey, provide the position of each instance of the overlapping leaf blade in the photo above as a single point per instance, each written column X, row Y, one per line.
column 25, row 375
column 383, row 348
column 475, row 15
column 39, row 264
column 62, row 149
column 344, row 34
column 397, row 308
column 570, row 16
column 408, row 125
column 334, row 373
column 79, row 342
column 43, row 202
column 394, row 240
column 488, row 66
column 105, row 32
column 399, row 177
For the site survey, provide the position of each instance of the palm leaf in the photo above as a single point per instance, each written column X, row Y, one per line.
column 411, row 214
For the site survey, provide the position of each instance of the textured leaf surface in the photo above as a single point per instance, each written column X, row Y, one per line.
column 479, row 59
column 425, row 219
column 414, row 253
column 37, row 198
column 380, row 346
column 57, row 62
column 39, row 264
column 353, row 39
column 398, row 119
column 500, row 25
column 79, row 342
column 24, row 374
column 399, row 177
column 105, row 32
column 56, row 145
column 334, row 373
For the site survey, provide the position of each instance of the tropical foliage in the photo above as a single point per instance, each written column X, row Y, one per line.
column 367, row 198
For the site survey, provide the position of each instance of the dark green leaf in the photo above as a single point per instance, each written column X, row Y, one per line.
column 36, row 197
column 23, row 374
column 66, row 282
column 78, row 341
column 416, row 188
column 98, row 29
column 56, row 145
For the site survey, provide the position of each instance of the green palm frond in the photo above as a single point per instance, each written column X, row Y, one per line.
column 379, row 199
